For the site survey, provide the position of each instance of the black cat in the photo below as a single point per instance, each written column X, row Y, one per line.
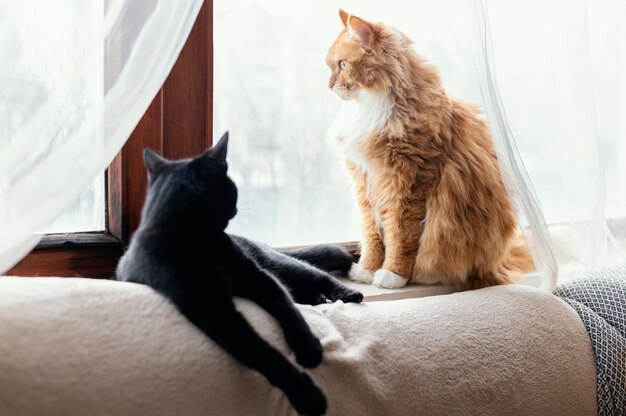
column 181, row 250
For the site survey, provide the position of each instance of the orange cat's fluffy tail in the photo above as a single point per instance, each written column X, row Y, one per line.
column 519, row 260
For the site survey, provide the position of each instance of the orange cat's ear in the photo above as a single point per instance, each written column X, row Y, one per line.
column 344, row 17
column 362, row 29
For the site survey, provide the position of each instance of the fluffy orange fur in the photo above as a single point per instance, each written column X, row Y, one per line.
column 434, row 207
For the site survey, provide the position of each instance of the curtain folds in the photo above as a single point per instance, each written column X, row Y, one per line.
column 552, row 78
column 77, row 77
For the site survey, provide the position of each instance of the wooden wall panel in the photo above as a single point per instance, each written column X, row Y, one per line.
column 127, row 180
column 177, row 124
column 188, row 92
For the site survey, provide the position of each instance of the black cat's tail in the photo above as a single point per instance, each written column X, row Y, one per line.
column 328, row 257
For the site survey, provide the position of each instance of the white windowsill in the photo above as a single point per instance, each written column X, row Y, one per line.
column 373, row 293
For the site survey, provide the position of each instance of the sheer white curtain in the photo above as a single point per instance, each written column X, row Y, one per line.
column 553, row 81
column 75, row 78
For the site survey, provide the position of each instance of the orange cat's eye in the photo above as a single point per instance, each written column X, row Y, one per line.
column 343, row 64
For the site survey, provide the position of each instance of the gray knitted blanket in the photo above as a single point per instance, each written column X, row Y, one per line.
column 600, row 300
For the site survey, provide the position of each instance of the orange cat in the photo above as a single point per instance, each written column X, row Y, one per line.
column 434, row 207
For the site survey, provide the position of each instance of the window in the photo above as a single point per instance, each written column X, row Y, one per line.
column 175, row 134
column 271, row 94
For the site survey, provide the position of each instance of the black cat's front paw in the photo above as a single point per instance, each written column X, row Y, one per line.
column 353, row 296
column 346, row 295
column 308, row 350
column 307, row 397
column 311, row 299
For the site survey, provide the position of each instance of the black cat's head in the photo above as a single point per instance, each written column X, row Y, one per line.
column 194, row 192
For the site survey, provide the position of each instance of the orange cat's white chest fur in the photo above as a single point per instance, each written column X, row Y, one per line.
column 358, row 121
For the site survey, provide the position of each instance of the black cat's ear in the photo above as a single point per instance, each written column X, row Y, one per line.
column 219, row 151
column 152, row 160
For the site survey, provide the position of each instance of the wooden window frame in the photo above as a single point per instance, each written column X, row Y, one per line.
column 177, row 124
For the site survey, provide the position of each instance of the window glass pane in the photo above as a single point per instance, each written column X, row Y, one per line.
column 87, row 213
column 271, row 93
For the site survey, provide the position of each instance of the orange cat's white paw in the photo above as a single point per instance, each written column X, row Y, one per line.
column 358, row 273
column 388, row 279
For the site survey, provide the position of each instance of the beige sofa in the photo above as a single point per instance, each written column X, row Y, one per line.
column 92, row 347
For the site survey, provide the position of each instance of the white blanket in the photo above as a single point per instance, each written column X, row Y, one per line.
column 91, row 347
